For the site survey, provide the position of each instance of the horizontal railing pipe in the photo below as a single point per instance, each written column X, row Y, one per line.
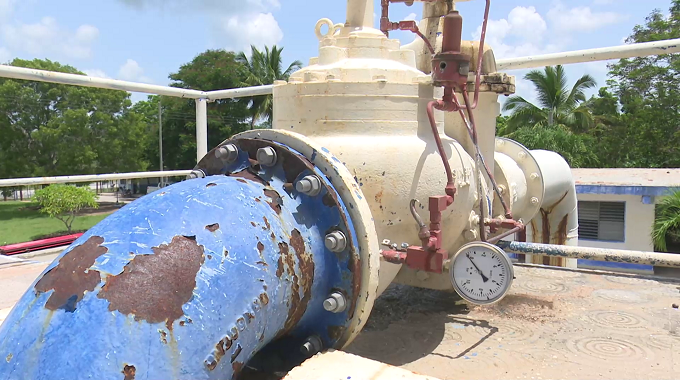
column 240, row 92
column 88, row 81
column 10, row 182
column 590, row 55
column 588, row 253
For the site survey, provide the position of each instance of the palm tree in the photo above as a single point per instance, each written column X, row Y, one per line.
column 667, row 221
column 557, row 105
column 264, row 67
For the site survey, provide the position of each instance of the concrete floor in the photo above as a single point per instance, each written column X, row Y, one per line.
column 553, row 325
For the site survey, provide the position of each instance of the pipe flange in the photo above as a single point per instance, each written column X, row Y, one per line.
column 361, row 219
column 532, row 173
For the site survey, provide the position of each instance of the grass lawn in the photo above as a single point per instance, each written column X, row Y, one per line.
column 20, row 222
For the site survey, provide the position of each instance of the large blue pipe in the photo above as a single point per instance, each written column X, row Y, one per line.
column 189, row 282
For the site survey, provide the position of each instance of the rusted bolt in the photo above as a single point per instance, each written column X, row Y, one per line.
column 335, row 303
column 310, row 185
column 198, row 173
column 266, row 156
column 311, row 346
column 227, row 153
column 336, row 241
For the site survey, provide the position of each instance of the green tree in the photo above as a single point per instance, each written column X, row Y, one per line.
column 53, row 129
column 210, row 70
column 648, row 89
column 264, row 67
column 64, row 201
column 6, row 192
column 667, row 222
column 557, row 105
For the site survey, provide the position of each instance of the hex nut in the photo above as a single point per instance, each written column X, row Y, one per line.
column 336, row 241
column 266, row 156
column 309, row 185
column 404, row 245
column 198, row 173
column 335, row 303
column 227, row 153
column 311, row 346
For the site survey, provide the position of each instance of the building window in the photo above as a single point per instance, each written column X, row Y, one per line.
column 602, row 221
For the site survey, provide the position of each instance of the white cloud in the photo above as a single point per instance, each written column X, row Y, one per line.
column 235, row 24
column 48, row 37
column 241, row 31
column 603, row 2
column 580, row 19
column 520, row 34
column 96, row 73
column 410, row 17
column 132, row 71
column 6, row 8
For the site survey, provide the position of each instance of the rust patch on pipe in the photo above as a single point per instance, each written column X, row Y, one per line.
column 70, row 279
column 378, row 196
column 276, row 201
column 236, row 368
column 213, row 227
column 154, row 287
column 264, row 298
column 246, row 174
column 283, row 252
column 562, row 231
column 211, row 184
column 164, row 336
column 129, row 372
column 328, row 200
column 253, row 224
column 9, row 357
column 335, row 332
column 266, row 223
column 260, row 246
column 304, row 282
column 545, row 227
column 236, row 353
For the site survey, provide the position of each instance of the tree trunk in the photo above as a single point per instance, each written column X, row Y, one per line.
column 21, row 194
column 252, row 122
column 551, row 117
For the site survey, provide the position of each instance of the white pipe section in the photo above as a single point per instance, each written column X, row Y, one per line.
column 240, row 92
column 590, row 55
column 359, row 13
column 88, row 81
column 90, row 178
column 559, row 207
column 201, row 128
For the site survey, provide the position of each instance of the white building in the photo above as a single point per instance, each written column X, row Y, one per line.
column 616, row 208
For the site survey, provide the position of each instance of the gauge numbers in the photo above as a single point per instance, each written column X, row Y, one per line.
column 481, row 273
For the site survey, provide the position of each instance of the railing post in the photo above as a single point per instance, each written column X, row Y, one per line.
column 201, row 128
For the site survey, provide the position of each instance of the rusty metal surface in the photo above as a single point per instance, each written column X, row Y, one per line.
column 185, row 283
column 597, row 254
column 554, row 324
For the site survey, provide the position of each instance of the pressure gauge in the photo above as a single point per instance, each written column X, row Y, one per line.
column 481, row 273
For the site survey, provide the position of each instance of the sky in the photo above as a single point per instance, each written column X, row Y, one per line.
column 146, row 40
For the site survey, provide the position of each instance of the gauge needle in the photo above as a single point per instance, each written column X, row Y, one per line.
column 484, row 278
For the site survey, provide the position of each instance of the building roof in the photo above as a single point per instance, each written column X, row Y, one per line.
column 646, row 182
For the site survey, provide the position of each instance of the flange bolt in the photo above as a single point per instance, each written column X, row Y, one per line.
column 311, row 346
column 309, row 185
column 227, row 153
column 198, row 173
column 335, row 303
column 266, row 156
column 336, row 241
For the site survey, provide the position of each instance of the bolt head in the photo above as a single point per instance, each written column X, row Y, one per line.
column 335, row 303
column 404, row 245
column 330, row 304
column 336, row 241
column 266, row 156
column 309, row 185
column 311, row 346
column 522, row 155
column 534, row 200
column 227, row 153
column 534, row 176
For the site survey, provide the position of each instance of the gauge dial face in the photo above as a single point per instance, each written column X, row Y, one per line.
column 481, row 273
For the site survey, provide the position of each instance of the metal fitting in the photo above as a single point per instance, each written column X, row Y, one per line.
column 309, row 185
column 266, row 156
column 336, row 241
column 198, row 173
column 311, row 346
column 335, row 303
column 534, row 200
column 227, row 153
column 404, row 245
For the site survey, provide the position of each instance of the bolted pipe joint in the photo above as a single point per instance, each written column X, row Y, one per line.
column 266, row 156
column 309, row 185
column 227, row 153
column 335, row 303
column 198, row 173
column 336, row 241
column 311, row 346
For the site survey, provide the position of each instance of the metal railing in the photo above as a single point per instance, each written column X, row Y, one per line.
column 12, row 182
